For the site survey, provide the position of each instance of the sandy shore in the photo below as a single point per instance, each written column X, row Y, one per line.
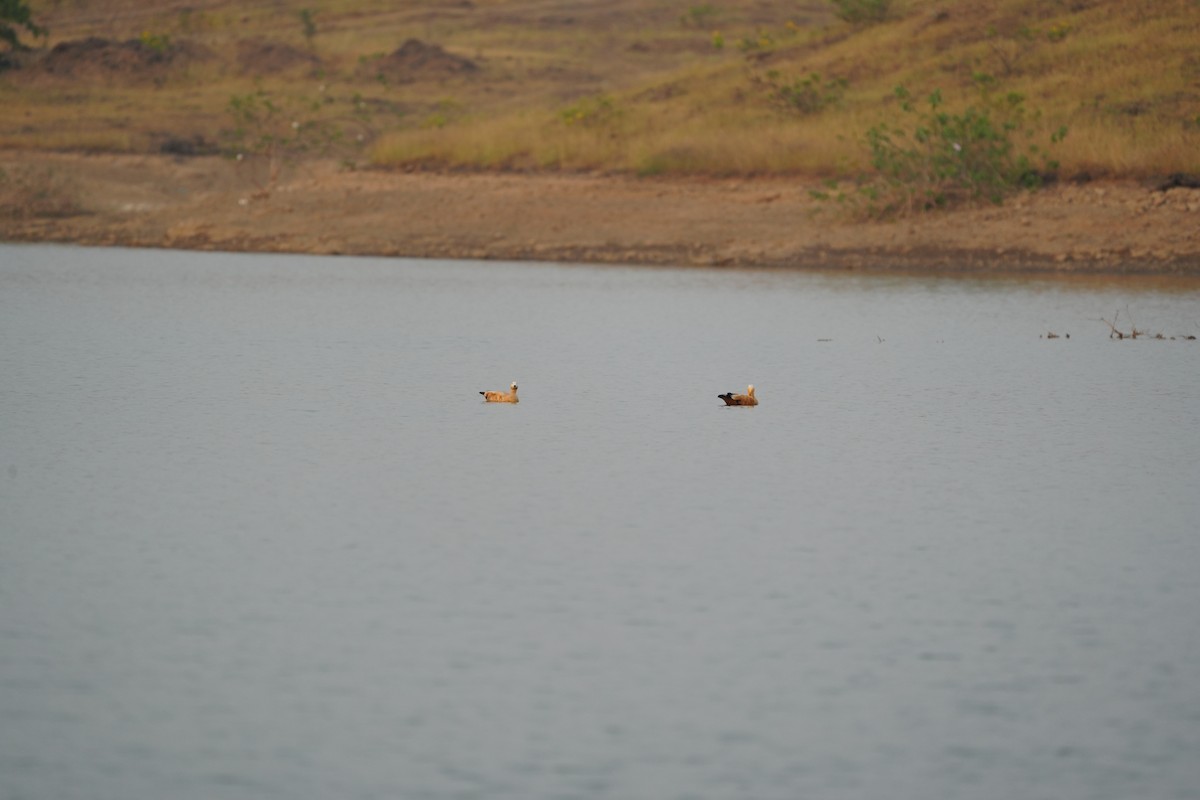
column 207, row 204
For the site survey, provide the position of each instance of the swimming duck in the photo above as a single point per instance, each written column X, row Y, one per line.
column 502, row 397
column 746, row 399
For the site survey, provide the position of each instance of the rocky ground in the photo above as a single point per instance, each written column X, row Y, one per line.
column 210, row 203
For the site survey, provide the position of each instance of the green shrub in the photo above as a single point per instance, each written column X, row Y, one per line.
column 859, row 12
column 698, row 16
column 761, row 40
column 943, row 159
column 807, row 95
column 592, row 112
column 15, row 14
column 160, row 43
column 308, row 25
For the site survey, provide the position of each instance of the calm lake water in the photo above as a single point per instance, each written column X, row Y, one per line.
column 260, row 538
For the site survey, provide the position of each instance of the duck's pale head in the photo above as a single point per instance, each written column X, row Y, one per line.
column 750, row 390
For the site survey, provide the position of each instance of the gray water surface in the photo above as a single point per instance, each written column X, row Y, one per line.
column 260, row 538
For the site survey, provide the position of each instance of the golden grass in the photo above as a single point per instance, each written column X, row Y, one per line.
column 1122, row 75
column 642, row 144
column 1137, row 150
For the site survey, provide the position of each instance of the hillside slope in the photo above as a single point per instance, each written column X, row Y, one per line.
column 1122, row 77
column 644, row 86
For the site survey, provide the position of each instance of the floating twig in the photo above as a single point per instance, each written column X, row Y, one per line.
column 1112, row 326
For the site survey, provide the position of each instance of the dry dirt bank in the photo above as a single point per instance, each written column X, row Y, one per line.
column 205, row 204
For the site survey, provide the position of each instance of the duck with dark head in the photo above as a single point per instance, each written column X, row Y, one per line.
column 747, row 399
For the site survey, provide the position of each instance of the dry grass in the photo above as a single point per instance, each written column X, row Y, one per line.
column 1137, row 150
column 1122, row 75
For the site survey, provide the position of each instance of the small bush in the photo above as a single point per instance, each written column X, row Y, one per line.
column 592, row 112
column 159, row 43
column 698, row 16
column 807, row 95
column 1058, row 31
column 944, row 159
column 15, row 14
column 859, row 12
column 308, row 25
column 760, row 41
column 270, row 131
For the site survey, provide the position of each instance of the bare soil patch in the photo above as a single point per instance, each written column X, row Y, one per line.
column 262, row 57
column 206, row 203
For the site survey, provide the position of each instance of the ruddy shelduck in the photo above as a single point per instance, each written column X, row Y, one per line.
column 502, row 397
column 747, row 399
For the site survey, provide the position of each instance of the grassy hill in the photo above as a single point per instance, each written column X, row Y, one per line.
column 642, row 86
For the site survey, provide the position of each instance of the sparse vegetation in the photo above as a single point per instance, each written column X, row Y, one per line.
column 600, row 111
column 26, row 193
column 156, row 42
column 699, row 16
column 862, row 11
column 688, row 80
column 700, row 120
column 943, row 158
column 809, row 94
column 757, row 41
column 308, row 25
column 271, row 131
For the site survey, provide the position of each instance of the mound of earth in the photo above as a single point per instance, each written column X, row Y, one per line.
column 417, row 60
column 133, row 59
column 258, row 57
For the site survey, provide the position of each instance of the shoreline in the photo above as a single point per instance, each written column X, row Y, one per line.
column 1106, row 228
